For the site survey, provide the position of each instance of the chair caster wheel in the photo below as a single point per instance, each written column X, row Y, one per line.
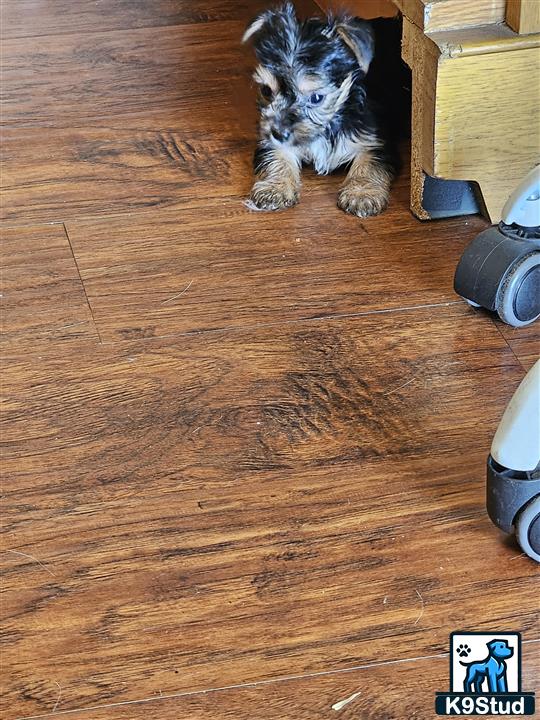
column 513, row 467
column 501, row 274
column 500, row 268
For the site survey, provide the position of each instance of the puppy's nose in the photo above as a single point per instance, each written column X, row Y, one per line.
column 280, row 135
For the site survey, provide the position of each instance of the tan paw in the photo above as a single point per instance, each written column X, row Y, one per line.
column 269, row 196
column 363, row 201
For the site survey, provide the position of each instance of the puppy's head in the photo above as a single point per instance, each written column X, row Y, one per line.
column 306, row 71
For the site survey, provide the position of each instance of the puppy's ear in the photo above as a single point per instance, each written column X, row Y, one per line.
column 282, row 16
column 358, row 37
column 256, row 26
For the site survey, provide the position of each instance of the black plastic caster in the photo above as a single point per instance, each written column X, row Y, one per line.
column 513, row 504
column 502, row 274
column 500, row 269
column 513, row 467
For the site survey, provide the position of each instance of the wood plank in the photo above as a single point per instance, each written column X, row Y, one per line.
column 232, row 507
column 436, row 15
column 479, row 138
column 30, row 18
column 65, row 80
column 481, row 41
column 218, row 265
column 42, row 296
column 457, row 14
column 383, row 691
column 523, row 16
column 137, row 132
column 422, row 56
column 90, row 171
column 134, row 130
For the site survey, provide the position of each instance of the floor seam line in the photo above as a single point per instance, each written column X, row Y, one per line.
column 239, row 686
column 256, row 684
column 100, row 341
column 498, row 328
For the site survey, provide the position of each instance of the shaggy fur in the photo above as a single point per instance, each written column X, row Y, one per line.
column 315, row 109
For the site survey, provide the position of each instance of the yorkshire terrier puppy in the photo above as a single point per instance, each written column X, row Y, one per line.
column 315, row 109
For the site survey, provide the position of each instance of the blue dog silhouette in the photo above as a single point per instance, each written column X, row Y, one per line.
column 492, row 669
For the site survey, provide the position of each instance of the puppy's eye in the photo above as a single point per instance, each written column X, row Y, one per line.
column 266, row 92
column 316, row 98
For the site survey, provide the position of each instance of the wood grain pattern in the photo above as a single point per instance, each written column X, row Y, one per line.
column 449, row 14
column 472, row 124
column 61, row 80
column 393, row 692
column 227, row 267
column 30, row 18
column 290, row 495
column 42, row 297
column 437, row 15
column 115, row 148
column 482, row 40
column 233, row 507
column 107, row 170
column 132, row 131
column 523, row 16
column 422, row 56
column 89, row 78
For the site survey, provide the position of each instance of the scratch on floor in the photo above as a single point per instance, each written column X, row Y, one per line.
column 401, row 386
column 341, row 704
column 65, row 327
column 59, row 695
column 523, row 554
column 31, row 557
column 421, row 609
column 178, row 294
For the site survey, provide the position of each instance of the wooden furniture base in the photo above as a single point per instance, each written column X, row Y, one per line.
column 474, row 112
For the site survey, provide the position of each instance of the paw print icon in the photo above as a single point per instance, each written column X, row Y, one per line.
column 463, row 650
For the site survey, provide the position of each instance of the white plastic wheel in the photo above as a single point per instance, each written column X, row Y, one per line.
column 528, row 528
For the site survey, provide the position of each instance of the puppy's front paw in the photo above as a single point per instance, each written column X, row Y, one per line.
column 273, row 196
column 363, row 200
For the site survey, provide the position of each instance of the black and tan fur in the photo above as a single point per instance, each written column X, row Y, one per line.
column 315, row 109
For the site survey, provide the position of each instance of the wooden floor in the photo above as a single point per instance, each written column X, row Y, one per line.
column 239, row 449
